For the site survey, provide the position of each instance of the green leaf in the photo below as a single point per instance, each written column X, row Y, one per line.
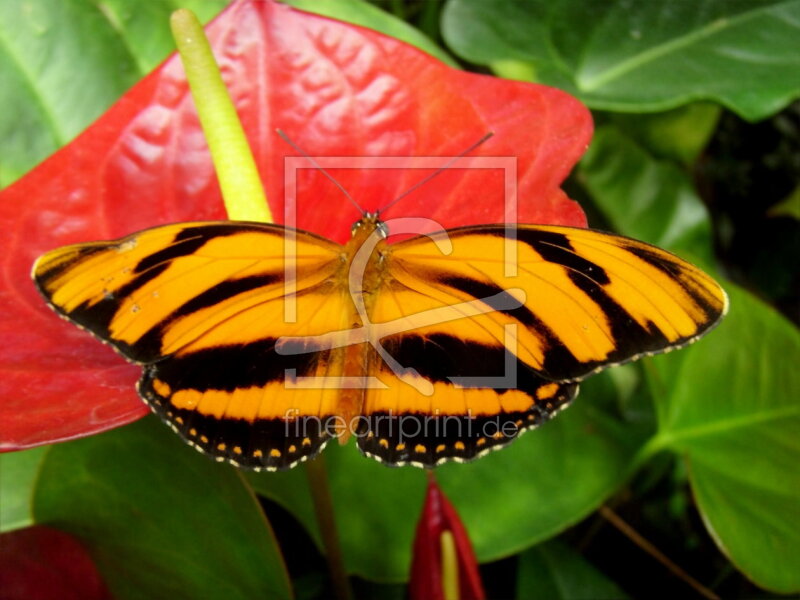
column 643, row 197
column 640, row 56
column 18, row 474
column 680, row 134
column 789, row 206
column 508, row 500
column 554, row 570
column 160, row 520
column 730, row 407
column 143, row 27
column 365, row 14
column 47, row 98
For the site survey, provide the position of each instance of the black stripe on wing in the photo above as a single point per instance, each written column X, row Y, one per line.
column 442, row 357
column 261, row 444
column 188, row 241
column 234, row 366
column 631, row 338
column 97, row 315
column 558, row 357
column 676, row 269
column 148, row 347
column 426, row 441
column 432, row 438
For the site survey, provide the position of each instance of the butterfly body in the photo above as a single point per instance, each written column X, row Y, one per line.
column 357, row 356
column 260, row 343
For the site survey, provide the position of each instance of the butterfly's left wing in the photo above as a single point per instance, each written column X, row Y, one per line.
column 499, row 324
column 200, row 306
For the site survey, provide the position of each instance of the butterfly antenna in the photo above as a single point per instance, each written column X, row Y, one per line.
column 436, row 172
column 318, row 166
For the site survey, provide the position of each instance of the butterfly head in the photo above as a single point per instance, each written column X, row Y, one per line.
column 367, row 224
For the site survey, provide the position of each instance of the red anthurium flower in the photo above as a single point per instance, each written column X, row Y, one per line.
column 337, row 90
column 443, row 565
column 44, row 563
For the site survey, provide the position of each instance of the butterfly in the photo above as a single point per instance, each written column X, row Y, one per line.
column 260, row 343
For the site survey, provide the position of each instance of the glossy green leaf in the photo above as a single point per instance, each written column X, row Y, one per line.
column 680, row 134
column 640, row 56
column 46, row 98
column 508, row 500
column 645, row 198
column 730, row 407
column 554, row 570
column 368, row 15
column 160, row 520
column 18, row 475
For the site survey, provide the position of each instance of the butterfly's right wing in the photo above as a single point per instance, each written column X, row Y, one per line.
column 490, row 330
column 200, row 307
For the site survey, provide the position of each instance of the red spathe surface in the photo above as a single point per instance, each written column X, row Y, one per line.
column 337, row 90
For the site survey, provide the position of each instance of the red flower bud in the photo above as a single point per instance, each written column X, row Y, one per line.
column 443, row 565
column 41, row 562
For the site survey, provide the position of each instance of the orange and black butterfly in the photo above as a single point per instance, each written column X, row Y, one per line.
column 260, row 343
